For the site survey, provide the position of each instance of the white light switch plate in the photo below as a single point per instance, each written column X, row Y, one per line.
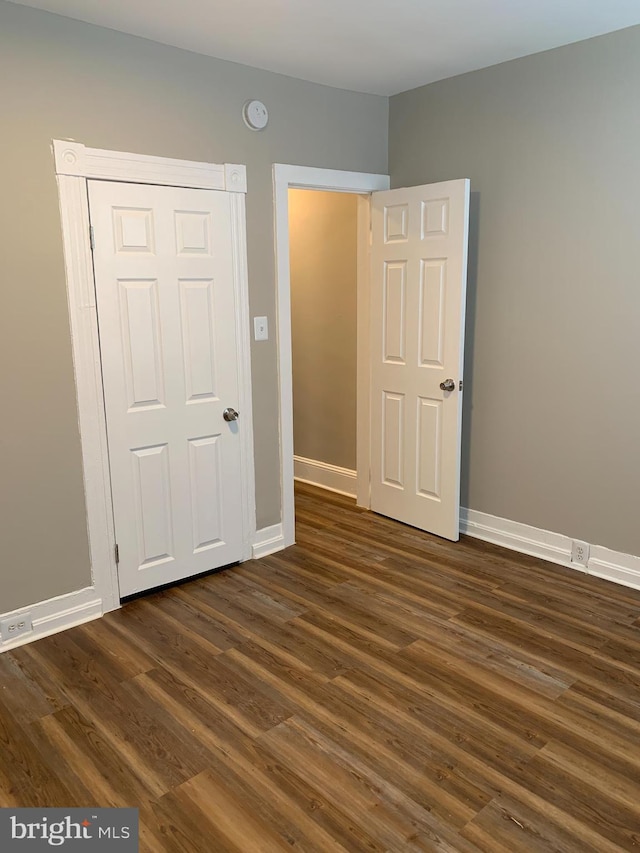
column 260, row 329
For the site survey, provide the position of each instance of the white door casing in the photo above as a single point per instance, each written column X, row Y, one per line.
column 418, row 294
column 166, row 315
column 74, row 163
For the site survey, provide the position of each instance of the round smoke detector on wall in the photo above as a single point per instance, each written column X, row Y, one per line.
column 255, row 115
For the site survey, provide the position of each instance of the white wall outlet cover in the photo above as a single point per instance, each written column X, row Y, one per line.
column 260, row 329
column 14, row 626
column 580, row 552
column 255, row 115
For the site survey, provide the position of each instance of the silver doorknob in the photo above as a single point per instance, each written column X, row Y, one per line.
column 230, row 414
column 448, row 385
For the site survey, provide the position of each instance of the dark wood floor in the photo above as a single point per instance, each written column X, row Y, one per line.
column 370, row 689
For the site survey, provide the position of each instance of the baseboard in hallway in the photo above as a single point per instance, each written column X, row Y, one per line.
column 324, row 475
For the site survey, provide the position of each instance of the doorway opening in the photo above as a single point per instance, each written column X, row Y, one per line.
column 302, row 177
column 323, row 258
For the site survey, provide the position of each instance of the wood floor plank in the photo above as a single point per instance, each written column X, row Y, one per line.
column 248, row 759
column 482, row 751
column 26, row 775
column 371, row 688
column 508, row 825
column 582, row 662
column 221, row 800
column 78, row 745
column 392, row 818
column 606, row 814
column 332, row 709
column 611, row 713
column 492, row 654
column 518, row 705
column 21, row 693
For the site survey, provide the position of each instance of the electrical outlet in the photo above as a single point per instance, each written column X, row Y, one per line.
column 579, row 552
column 15, row 626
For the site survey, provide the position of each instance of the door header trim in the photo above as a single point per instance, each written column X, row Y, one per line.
column 75, row 159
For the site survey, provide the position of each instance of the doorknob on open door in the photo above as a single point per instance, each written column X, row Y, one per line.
column 230, row 414
column 448, row 385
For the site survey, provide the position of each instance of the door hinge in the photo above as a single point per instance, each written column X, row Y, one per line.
column 117, row 553
column 92, row 237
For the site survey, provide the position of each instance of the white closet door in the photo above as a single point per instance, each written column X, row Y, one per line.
column 166, row 314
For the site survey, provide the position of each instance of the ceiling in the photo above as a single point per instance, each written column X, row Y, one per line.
column 377, row 46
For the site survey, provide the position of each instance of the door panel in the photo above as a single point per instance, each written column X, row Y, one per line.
column 140, row 329
column 429, row 446
column 393, row 439
column 196, row 314
column 431, row 321
column 206, row 497
column 166, row 315
column 152, row 494
column 395, row 298
column 418, row 291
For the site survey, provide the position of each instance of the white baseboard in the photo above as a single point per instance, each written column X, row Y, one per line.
column 518, row 537
column 611, row 565
column 614, row 566
column 55, row 614
column 331, row 477
column 266, row 541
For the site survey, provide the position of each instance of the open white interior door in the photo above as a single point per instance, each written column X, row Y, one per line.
column 418, row 293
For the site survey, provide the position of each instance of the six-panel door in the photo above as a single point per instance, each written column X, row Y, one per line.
column 418, row 287
column 166, row 315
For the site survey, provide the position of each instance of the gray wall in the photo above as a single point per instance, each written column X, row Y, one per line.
column 60, row 78
column 552, row 404
column 323, row 229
